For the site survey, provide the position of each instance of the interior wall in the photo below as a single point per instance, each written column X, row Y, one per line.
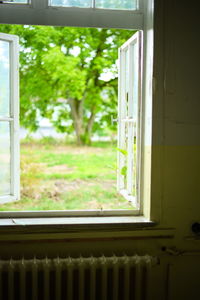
column 176, row 139
column 175, row 187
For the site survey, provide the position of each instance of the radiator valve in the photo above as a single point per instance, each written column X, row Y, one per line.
column 196, row 228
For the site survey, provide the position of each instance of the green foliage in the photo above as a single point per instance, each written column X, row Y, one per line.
column 30, row 182
column 124, row 171
column 62, row 76
column 124, row 152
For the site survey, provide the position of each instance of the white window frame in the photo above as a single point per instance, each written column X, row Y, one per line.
column 38, row 12
column 13, row 119
column 125, row 187
column 139, row 5
column 93, row 5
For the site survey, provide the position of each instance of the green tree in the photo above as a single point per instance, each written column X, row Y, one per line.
column 62, row 76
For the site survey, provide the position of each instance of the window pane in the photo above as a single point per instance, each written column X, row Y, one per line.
column 5, row 174
column 116, row 4
column 127, row 80
column 69, row 3
column 16, row 1
column 134, row 53
column 4, row 79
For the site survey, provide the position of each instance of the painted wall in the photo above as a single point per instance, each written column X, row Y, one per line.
column 176, row 139
column 175, row 187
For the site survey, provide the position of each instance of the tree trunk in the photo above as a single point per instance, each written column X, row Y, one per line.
column 76, row 107
column 88, row 130
column 83, row 133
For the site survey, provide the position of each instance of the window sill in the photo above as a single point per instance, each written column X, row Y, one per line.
column 74, row 224
column 68, row 229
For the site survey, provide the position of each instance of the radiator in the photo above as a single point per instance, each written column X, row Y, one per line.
column 91, row 278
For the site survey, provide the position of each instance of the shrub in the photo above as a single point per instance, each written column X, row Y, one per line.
column 30, row 181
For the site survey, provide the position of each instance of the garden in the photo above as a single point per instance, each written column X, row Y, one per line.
column 56, row 175
column 69, row 79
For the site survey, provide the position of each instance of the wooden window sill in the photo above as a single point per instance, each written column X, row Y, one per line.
column 74, row 224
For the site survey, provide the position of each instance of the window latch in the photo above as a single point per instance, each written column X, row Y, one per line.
column 113, row 120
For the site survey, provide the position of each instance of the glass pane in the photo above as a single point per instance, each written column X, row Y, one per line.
column 134, row 161
column 4, row 79
column 69, row 3
column 116, row 4
column 16, row 1
column 134, row 50
column 125, row 155
column 5, row 174
column 127, row 80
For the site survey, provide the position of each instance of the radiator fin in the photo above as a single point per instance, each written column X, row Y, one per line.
column 91, row 278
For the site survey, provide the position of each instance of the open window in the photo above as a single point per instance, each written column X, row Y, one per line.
column 129, row 124
column 135, row 93
column 9, row 118
column 129, row 119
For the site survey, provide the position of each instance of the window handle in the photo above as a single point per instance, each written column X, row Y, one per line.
column 113, row 120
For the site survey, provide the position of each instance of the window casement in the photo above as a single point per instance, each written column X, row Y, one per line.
column 129, row 4
column 119, row 5
column 9, row 118
column 16, row 1
column 42, row 12
column 134, row 101
column 129, row 119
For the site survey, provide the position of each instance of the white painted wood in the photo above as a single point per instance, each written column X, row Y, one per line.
column 38, row 4
column 147, row 51
column 39, row 13
column 7, row 199
column 46, row 3
column 69, row 213
column 128, row 120
column 8, row 37
column 121, row 115
column 130, row 157
column 14, row 117
column 129, row 88
column 93, row 3
column 15, row 153
column 41, row 220
column 139, row 124
column 129, row 198
column 5, row 119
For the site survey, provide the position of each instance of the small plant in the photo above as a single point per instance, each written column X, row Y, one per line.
column 123, row 170
column 48, row 141
column 30, row 183
column 124, row 152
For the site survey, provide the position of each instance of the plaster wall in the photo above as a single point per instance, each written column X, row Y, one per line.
column 176, row 121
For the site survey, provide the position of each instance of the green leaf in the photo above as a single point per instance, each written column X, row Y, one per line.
column 124, row 152
column 124, row 171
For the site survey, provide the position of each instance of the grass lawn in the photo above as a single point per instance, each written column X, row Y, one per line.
column 56, row 176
